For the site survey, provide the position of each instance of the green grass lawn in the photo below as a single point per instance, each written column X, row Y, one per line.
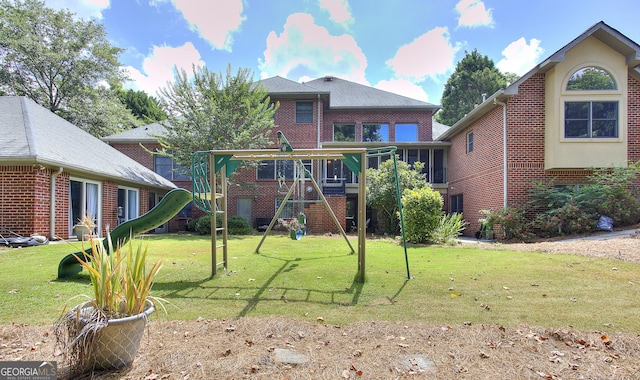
column 316, row 277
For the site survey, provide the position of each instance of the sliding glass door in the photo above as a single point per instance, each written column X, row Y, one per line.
column 84, row 199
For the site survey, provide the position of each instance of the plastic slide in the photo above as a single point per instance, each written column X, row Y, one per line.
column 168, row 207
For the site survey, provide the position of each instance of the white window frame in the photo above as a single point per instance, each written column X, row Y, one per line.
column 470, row 141
column 126, row 212
column 98, row 216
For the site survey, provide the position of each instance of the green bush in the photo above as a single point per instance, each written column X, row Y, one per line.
column 449, row 229
column 509, row 222
column 559, row 210
column 238, row 225
column 422, row 210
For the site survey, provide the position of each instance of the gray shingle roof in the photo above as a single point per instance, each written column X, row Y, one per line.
column 31, row 134
column 344, row 94
column 280, row 85
column 143, row 134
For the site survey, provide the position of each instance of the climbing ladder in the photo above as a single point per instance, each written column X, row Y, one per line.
column 202, row 180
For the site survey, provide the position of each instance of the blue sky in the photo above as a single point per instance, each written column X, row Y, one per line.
column 409, row 47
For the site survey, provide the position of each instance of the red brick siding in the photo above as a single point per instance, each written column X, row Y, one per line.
column 21, row 196
column 478, row 175
column 300, row 135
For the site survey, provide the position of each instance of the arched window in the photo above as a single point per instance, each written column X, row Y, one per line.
column 591, row 78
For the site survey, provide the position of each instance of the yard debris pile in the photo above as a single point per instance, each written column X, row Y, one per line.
column 253, row 348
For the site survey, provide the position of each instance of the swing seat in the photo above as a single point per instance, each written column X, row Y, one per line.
column 296, row 235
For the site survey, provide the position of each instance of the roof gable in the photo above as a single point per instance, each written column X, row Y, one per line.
column 346, row 94
column 34, row 135
column 142, row 134
column 603, row 32
column 343, row 94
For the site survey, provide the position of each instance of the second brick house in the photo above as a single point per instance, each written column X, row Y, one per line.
column 552, row 123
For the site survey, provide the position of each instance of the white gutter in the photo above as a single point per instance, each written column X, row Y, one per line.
column 318, row 122
column 319, row 164
column 52, row 204
column 504, row 149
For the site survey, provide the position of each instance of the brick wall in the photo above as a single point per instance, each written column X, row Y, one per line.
column 21, row 195
column 479, row 175
column 138, row 153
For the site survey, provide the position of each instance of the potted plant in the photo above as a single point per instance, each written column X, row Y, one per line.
column 84, row 228
column 104, row 332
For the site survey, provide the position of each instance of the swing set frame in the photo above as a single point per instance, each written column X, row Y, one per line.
column 223, row 162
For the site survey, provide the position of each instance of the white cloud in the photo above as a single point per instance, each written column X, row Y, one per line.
column 304, row 49
column 430, row 54
column 520, row 57
column 82, row 8
column 403, row 87
column 158, row 67
column 473, row 13
column 338, row 11
column 215, row 21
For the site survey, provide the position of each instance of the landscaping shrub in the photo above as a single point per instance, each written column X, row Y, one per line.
column 509, row 222
column 422, row 212
column 449, row 229
column 238, row 225
column 560, row 210
column 382, row 194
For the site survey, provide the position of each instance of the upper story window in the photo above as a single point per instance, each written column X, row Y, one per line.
column 375, row 132
column 470, row 142
column 406, row 132
column 591, row 104
column 591, row 78
column 282, row 169
column 344, row 132
column 304, row 112
column 169, row 169
column 590, row 119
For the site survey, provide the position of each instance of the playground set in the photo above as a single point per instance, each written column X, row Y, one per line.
column 210, row 173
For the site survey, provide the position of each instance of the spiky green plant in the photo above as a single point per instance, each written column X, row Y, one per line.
column 119, row 277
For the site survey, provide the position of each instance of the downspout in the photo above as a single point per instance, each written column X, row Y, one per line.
column 319, row 165
column 52, row 204
column 318, row 122
column 504, row 150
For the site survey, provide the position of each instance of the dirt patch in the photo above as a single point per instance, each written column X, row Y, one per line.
column 281, row 348
column 624, row 248
column 248, row 348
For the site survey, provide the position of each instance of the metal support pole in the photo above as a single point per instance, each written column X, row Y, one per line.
column 362, row 216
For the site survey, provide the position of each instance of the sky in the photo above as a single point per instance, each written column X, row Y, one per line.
column 408, row 47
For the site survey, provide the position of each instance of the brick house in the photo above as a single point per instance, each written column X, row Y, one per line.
column 324, row 113
column 52, row 173
column 552, row 123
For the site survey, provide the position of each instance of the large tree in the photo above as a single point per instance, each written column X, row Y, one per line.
column 54, row 59
column 99, row 112
column 143, row 106
column 474, row 76
column 214, row 111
